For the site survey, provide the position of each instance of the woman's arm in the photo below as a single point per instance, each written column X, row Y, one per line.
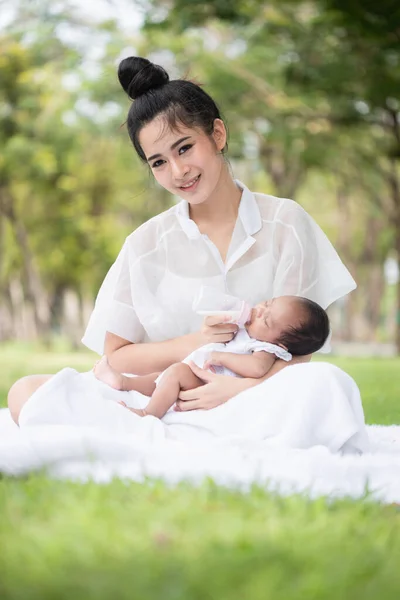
column 148, row 357
column 253, row 365
column 144, row 358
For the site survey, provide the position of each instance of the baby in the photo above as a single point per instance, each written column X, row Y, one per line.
column 285, row 326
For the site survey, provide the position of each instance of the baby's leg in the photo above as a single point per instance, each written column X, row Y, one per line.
column 144, row 384
column 176, row 378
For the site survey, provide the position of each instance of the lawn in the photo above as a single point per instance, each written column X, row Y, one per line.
column 125, row 540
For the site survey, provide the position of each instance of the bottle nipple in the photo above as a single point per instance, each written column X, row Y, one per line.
column 244, row 314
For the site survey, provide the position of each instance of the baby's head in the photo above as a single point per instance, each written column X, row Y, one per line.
column 297, row 324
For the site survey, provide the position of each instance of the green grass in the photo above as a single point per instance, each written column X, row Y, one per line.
column 124, row 540
column 379, row 383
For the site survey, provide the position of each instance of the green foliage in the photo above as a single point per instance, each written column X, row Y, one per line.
column 330, row 51
column 70, row 184
column 378, row 21
column 182, row 14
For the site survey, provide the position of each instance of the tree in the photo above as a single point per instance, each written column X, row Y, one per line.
column 70, row 186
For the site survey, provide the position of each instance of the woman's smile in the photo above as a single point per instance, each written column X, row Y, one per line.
column 191, row 185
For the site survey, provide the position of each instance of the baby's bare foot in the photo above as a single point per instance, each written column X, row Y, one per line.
column 138, row 411
column 105, row 373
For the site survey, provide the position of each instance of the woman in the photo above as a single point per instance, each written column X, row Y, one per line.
column 252, row 246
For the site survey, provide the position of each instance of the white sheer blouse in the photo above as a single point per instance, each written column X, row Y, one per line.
column 276, row 249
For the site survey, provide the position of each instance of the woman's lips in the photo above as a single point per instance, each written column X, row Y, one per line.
column 192, row 184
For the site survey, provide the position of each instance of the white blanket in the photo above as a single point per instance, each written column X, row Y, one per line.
column 302, row 430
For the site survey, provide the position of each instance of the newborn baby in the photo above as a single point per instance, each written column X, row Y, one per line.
column 285, row 326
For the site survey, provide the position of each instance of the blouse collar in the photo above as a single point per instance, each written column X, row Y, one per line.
column 249, row 214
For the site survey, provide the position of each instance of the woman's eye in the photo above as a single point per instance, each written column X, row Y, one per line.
column 185, row 148
column 157, row 163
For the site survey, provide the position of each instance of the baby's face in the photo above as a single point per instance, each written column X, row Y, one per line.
column 270, row 319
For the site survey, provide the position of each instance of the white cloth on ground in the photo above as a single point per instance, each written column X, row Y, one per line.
column 303, row 405
column 242, row 343
column 301, row 430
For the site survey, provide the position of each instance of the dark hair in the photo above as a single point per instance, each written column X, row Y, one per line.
column 179, row 101
column 310, row 334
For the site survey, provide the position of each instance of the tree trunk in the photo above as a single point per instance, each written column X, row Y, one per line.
column 24, row 325
column 286, row 172
column 33, row 288
column 394, row 187
column 344, row 248
column 71, row 325
column 372, row 260
column 397, row 333
column 375, row 290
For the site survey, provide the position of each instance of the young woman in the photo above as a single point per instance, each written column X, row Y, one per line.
column 220, row 234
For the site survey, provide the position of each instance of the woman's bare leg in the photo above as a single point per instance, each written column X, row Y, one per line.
column 22, row 390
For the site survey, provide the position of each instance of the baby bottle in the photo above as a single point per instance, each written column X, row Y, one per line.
column 210, row 301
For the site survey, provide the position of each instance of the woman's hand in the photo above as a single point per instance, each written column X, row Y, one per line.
column 216, row 390
column 217, row 329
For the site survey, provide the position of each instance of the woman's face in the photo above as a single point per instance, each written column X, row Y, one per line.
column 185, row 161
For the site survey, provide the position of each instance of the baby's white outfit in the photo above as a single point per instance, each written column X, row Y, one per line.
column 242, row 343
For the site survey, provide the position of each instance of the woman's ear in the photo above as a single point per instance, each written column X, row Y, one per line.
column 219, row 134
column 282, row 346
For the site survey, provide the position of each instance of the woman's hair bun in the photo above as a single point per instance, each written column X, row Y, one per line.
column 138, row 75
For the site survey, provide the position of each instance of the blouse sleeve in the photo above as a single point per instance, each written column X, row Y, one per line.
column 305, row 262
column 114, row 311
column 258, row 346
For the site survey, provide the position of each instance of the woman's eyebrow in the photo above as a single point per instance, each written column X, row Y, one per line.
column 174, row 145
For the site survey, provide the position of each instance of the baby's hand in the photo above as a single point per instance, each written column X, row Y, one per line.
column 214, row 358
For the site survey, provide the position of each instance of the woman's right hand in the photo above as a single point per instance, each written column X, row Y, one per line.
column 216, row 390
column 217, row 329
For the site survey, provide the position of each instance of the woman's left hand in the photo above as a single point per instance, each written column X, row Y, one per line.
column 216, row 390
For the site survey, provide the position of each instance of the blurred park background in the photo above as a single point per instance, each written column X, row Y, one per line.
column 310, row 91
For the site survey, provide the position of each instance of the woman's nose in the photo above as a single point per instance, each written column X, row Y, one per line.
column 179, row 169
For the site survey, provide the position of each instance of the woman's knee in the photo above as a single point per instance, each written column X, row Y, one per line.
column 21, row 391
